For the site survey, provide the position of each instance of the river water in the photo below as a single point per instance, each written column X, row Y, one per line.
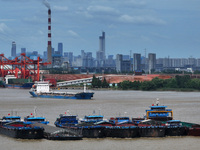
column 185, row 105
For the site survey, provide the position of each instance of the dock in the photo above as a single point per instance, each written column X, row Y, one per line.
column 55, row 133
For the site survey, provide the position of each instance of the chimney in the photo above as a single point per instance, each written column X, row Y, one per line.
column 49, row 47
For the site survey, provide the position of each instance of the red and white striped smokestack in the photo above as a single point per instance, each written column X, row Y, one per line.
column 49, row 47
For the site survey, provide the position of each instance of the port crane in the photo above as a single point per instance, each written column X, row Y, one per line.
column 21, row 67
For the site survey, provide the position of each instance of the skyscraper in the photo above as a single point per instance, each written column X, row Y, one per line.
column 102, row 44
column 152, row 62
column 13, row 49
column 60, row 48
column 136, row 62
column 101, row 57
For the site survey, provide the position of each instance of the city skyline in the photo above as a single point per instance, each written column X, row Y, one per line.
column 166, row 28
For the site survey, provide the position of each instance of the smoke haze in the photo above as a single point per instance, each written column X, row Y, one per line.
column 46, row 3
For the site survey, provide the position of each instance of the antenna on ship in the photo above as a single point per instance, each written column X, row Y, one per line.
column 84, row 88
column 157, row 102
column 35, row 110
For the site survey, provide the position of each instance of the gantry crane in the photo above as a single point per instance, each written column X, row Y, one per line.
column 22, row 64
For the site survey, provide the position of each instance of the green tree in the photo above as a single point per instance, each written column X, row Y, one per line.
column 182, row 81
column 159, row 83
column 194, row 83
column 170, row 83
column 105, row 84
column 99, row 84
column 136, row 85
column 94, row 81
column 148, row 86
column 125, row 85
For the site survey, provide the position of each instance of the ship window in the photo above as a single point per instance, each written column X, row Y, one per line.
column 35, row 119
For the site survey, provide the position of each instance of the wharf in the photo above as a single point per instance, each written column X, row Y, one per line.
column 55, row 133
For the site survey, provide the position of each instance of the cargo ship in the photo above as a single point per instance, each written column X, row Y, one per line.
column 42, row 89
column 12, row 82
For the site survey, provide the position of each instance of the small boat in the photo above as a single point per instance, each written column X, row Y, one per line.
column 42, row 89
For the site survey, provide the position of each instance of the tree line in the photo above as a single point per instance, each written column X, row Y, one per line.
column 178, row 83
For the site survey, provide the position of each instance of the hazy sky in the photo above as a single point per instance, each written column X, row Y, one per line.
column 165, row 27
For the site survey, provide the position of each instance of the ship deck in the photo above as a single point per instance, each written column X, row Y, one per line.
column 55, row 133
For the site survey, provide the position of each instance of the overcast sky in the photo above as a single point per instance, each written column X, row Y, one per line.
column 165, row 27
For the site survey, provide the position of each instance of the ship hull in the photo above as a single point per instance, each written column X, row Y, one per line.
column 122, row 132
column 20, row 86
column 176, row 131
column 194, row 131
column 81, row 95
column 22, row 133
column 151, row 131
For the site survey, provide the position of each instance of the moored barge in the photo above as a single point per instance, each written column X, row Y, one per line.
column 19, row 129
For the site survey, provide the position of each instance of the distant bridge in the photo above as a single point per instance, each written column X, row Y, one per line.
column 77, row 81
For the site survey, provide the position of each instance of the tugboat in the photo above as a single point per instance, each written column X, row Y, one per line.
column 42, row 89
column 152, row 125
column 159, row 113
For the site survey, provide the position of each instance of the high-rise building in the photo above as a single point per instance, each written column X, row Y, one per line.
column 69, row 56
column 60, row 48
column 100, row 55
column 122, row 65
column 136, row 62
column 102, row 44
column 13, row 49
column 152, row 62
column 119, row 62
